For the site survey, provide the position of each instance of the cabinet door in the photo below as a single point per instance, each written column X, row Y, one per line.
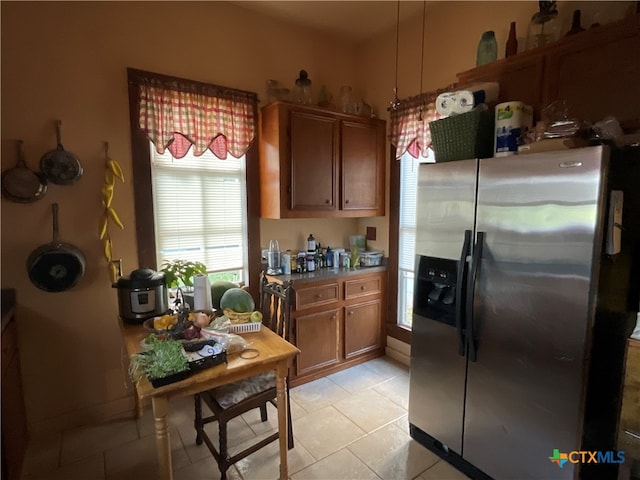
column 362, row 328
column 597, row 74
column 316, row 336
column 362, row 149
column 314, row 163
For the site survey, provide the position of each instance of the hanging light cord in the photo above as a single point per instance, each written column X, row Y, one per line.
column 424, row 16
column 396, row 101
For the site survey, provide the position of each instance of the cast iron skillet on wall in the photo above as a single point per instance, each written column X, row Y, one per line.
column 20, row 183
column 56, row 266
column 59, row 165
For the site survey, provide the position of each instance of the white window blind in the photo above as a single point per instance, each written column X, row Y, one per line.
column 200, row 210
column 407, row 232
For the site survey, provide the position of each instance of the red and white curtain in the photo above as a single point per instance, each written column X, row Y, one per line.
column 409, row 130
column 176, row 114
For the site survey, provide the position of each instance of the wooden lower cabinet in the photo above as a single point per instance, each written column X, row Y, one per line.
column 362, row 328
column 337, row 323
column 317, row 338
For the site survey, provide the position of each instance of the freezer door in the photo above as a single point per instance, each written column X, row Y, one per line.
column 446, row 197
column 445, row 207
column 532, row 309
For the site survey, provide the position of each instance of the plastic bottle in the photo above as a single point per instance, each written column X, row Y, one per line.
column 311, row 243
column 311, row 263
column 512, row 41
column 329, row 257
column 487, row 48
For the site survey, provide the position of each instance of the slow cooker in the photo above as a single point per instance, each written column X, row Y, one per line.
column 142, row 295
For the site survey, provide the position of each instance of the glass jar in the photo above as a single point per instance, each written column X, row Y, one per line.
column 544, row 27
column 487, row 49
column 346, row 99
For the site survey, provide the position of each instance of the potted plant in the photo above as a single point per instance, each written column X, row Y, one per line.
column 162, row 361
column 181, row 272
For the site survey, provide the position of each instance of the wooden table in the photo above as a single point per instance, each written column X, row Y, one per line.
column 275, row 353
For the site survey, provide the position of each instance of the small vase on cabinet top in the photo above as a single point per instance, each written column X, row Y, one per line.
column 487, row 49
column 512, row 41
column 576, row 26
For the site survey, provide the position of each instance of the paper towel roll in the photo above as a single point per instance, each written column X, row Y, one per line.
column 512, row 120
column 202, row 293
column 444, row 103
column 465, row 100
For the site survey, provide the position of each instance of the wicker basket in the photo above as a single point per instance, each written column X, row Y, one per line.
column 464, row 136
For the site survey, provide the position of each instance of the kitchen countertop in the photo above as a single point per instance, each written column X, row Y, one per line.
column 325, row 274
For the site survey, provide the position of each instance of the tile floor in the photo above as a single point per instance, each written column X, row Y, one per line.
column 349, row 425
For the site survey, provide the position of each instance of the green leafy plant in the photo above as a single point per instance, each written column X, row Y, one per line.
column 181, row 272
column 159, row 358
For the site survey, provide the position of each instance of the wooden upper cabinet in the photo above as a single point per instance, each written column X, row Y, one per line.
column 318, row 163
column 314, row 144
column 520, row 77
column 362, row 172
column 596, row 72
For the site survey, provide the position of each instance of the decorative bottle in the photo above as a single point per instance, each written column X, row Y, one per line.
column 512, row 41
column 311, row 243
column 487, row 49
column 576, row 27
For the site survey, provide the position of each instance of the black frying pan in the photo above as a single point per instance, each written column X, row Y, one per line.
column 20, row 183
column 56, row 266
column 61, row 166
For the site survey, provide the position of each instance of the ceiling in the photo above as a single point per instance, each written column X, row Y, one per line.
column 356, row 21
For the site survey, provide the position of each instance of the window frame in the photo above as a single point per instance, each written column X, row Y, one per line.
column 143, row 194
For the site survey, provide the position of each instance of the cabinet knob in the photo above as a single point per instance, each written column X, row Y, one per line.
column 328, row 202
column 350, row 312
column 362, row 287
column 318, row 295
column 346, row 201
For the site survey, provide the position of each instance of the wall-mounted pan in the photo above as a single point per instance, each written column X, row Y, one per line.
column 56, row 266
column 59, row 165
column 20, row 183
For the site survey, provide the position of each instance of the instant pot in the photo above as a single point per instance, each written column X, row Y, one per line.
column 142, row 295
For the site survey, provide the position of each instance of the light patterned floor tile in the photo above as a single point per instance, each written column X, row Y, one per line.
column 89, row 468
column 83, row 442
column 356, row 379
column 265, row 463
column 396, row 389
column 387, row 367
column 136, row 459
column 342, row 465
column 443, row 471
column 369, row 410
column 326, row 431
column 318, row 394
column 42, row 455
column 392, row 454
column 204, row 469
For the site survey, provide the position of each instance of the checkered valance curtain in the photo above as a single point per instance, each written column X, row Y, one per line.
column 176, row 113
column 410, row 124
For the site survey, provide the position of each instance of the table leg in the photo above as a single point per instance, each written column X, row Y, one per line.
column 282, row 418
column 163, row 443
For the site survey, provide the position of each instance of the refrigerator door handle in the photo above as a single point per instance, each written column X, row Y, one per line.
column 460, row 291
column 475, row 266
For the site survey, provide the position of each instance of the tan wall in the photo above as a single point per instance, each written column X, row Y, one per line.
column 68, row 60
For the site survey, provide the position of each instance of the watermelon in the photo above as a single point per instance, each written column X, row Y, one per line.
column 238, row 300
column 217, row 290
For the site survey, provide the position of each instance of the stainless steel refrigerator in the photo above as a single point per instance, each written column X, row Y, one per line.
column 526, row 286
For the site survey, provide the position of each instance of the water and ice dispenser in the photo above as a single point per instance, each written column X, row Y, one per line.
column 435, row 289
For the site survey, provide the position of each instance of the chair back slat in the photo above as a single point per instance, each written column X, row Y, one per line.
column 275, row 305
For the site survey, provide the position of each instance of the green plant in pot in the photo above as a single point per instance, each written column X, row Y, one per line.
column 181, row 272
column 162, row 361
